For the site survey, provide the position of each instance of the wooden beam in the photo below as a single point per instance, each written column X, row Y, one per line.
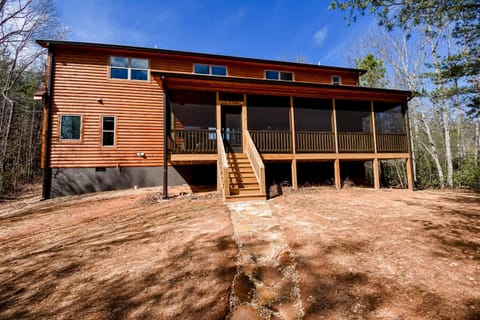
column 294, row 174
column 244, row 121
column 408, row 163
column 334, row 119
column 338, row 182
column 292, row 130
column 374, row 129
column 218, row 111
column 376, row 174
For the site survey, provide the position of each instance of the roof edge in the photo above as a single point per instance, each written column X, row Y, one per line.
column 45, row 43
column 408, row 94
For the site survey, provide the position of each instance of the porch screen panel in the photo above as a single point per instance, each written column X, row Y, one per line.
column 269, row 123
column 390, row 127
column 313, row 114
column 193, row 121
column 354, row 126
column 313, row 125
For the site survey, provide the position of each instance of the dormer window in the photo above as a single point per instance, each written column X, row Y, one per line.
column 210, row 69
column 336, row 80
column 128, row 68
column 278, row 75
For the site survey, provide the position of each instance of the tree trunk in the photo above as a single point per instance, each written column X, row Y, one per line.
column 477, row 142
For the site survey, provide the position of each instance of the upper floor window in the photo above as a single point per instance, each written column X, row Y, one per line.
column 210, row 69
column 278, row 75
column 108, row 131
column 70, row 127
column 336, row 80
column 128, row 68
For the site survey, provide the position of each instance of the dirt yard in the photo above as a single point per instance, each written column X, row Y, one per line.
column 365, row 254
column 361, row 254
column 116, row 255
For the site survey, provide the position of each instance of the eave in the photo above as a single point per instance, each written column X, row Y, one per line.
column 282, row 88
column 97, row 46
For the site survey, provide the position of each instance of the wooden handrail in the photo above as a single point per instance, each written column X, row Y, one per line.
column 392, row 142
column 222, row 166
column 256, row 162
column 272, row 141
column 192, row 141
column 314, row 141
column 355, row 142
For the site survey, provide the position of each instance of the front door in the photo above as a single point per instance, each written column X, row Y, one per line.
column 232, row 128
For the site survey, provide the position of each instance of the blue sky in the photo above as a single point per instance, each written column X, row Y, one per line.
column 266, row 29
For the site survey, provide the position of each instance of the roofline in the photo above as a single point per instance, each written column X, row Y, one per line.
column 408, row 94
column 47, row 43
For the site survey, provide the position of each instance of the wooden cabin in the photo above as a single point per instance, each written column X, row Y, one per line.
column 123, row 117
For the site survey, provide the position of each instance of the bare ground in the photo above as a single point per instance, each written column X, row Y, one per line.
column 390, row 254
column 116, row 255
column 361, row 254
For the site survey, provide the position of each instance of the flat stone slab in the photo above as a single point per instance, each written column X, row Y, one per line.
column 266, row 285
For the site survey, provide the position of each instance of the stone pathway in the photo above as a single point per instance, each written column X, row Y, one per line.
column 266, row 285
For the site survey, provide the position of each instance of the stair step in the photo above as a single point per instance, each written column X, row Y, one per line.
column 245, row 198
column 242, row 178
column 244, row 174
column 244, row 186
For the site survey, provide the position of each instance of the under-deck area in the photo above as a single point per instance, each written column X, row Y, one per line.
column 298, row 141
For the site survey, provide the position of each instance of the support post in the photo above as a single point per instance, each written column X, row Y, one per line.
column 165, row 139
column 410, row 182
column 218, row 115
column 294, row 147
column 338, row 182
column 409, row 162
column 376, row 174
column 294, row 174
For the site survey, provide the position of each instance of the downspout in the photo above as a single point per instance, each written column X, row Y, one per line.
column 165, row 137
column 47, row 171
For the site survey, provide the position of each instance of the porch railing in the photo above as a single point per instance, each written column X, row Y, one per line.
column 193, row 141
column 223, row 182
column 392, row 142
column 256, row 162
column 307, row 141
column 272, row 141
column 355, row 142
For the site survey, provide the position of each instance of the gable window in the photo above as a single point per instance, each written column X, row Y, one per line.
column 108, row 131
column 128, row 68
column 210, row 69
column 336, row 80
column 278, row 75
column 70, row 127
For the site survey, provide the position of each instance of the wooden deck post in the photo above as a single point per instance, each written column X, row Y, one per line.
column 244, row 122
column 376, row 173
column 294, row 150
column 336, row 164
column 338, row 181
column 218, row 114
column 410, row 180
column 376, row 167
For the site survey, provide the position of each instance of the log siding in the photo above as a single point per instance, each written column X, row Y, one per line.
column 81, row 78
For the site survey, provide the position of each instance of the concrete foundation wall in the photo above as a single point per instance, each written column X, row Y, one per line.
column 73, row 181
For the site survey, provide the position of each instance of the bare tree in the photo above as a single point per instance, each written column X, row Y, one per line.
column 21, row 22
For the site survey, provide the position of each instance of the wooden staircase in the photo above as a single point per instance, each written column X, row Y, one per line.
column 243, row 183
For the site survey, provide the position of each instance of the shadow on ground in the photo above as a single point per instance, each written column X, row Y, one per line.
column 170, row 260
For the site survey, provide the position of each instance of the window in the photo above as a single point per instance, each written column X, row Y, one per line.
column 70, row 127
column 128, row 68
column 210, row 69
column 278, row 75
column 108, row 131
column 336, row 80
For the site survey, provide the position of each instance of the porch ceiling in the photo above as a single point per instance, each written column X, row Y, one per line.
column 280, row 88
